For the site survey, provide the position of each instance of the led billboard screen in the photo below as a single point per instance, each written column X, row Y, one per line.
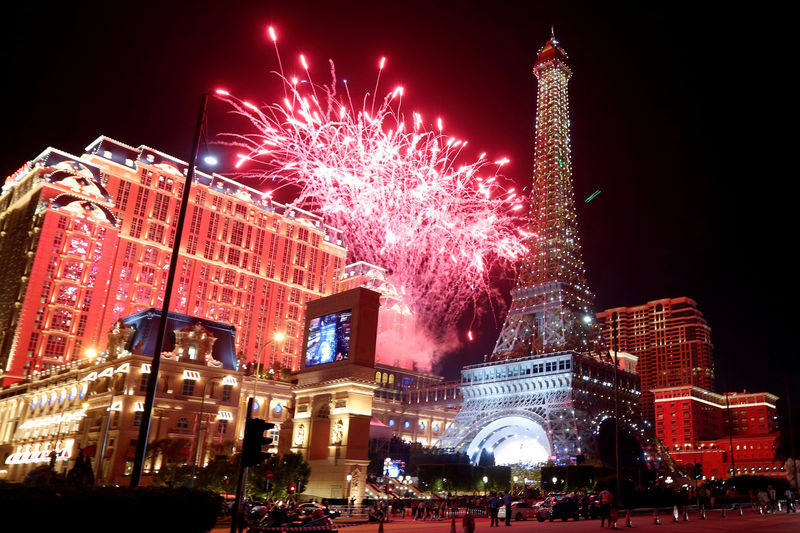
column 329, row 338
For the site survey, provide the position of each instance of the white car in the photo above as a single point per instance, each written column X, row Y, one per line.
column 519, row 511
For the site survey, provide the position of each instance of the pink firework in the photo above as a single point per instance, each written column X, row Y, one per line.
column 401, row 192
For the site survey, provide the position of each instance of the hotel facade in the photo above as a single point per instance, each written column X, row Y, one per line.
column 87, row 240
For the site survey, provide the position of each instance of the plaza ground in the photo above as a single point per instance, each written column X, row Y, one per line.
column 749, row 522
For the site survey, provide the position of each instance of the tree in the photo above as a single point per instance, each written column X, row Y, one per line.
column 289, row 468
column 458, row 477
column 499, row 477
column 430, row 477
column 170, row 450
column 486, row 458
column 218, row 476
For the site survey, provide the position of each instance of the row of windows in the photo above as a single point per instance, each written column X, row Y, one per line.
column 513, row 371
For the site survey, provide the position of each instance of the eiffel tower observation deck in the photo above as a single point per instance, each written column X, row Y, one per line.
column 547, row 387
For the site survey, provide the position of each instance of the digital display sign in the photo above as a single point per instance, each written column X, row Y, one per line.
column 393, row 468
column 329, row 338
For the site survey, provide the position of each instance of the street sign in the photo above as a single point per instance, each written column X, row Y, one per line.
column 269, row 474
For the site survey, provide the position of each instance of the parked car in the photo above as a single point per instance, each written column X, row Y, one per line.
column 590, row 506
column 554, row 507
column 309, row 508
column 519, row 511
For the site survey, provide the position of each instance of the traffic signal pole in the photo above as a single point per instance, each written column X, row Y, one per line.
column 240, row 486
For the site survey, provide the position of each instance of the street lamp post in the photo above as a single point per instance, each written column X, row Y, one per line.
column 349, row 505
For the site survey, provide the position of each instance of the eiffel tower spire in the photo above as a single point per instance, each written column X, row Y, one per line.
column 551, row 306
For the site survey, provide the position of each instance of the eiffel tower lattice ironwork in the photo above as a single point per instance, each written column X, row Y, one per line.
column 542, row 383
column 551, row 300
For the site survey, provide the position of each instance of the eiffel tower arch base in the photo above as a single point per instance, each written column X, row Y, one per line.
column 547, row 406
column 511, row 437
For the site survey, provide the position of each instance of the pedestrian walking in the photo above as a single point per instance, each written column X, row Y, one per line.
column 773, row 498
column 507, row 503
column 606, row 498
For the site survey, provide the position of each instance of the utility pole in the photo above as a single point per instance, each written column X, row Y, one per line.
column 155, row 365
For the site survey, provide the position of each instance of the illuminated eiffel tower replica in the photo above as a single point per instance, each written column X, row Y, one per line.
column 546, row 384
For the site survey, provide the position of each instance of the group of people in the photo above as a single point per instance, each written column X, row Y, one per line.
column 497, row 500
column 767, row 500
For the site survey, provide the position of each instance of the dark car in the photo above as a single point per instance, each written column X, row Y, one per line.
column 589, row 506
column 563, row 507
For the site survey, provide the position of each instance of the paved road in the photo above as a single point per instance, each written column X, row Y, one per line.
column 750, row 522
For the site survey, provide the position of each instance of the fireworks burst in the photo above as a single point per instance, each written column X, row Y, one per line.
column 399, row 191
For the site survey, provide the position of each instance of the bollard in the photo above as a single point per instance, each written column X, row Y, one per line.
column 628, row 518
column 656, row 521
column 779, row 506
column 702, row 512
column 686, row 514
column 741, row 513
column 722, row 515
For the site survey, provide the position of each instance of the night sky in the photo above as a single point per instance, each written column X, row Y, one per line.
column 679, row 117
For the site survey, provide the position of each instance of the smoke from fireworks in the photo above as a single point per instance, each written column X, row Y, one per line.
column 400, row 191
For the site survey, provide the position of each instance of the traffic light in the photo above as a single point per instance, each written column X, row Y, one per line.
column 254, row 441
column 291, row 489
column 389, row 488
column 698, row 471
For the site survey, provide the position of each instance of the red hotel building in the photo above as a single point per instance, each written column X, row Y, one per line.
column 86, row 240
column 699, row 426
column 671, row 339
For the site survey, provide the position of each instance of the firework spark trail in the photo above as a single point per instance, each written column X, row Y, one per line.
column 401, row 194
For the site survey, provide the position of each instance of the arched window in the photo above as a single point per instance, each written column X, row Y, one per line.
column 192, row 351
column 391, row 379
column 378, row 377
